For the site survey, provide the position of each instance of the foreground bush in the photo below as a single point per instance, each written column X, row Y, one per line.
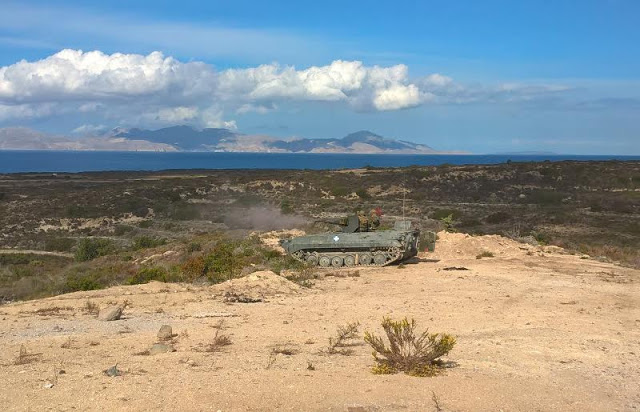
column 146, row 275
column 83, row 281
column 416, row 355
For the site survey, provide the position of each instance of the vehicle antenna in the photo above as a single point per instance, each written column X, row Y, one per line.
column 404, row 197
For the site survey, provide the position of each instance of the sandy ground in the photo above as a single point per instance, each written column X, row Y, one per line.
column 537, row 330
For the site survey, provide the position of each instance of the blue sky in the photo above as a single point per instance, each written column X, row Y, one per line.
column 490, row 76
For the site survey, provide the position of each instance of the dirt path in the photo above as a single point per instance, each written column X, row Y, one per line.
column 537, row 331
column 35, row 252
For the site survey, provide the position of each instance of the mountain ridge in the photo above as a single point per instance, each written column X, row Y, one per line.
column 186, row 138
column 217, row 139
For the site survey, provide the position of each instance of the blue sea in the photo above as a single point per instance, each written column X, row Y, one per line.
column 70, row 161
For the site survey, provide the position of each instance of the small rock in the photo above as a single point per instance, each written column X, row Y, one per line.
column 160, row 348
column 110, row 313
column 165, row 332
column 48, row 385
column 113, row 371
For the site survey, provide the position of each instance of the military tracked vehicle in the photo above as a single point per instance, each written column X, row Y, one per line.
column 357, row 244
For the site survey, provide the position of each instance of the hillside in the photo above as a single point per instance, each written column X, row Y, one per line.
column 537, row 329
column 185, row 138
column 22, row 138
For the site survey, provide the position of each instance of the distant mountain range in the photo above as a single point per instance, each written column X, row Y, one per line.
column 22, row 138
column 185, row 138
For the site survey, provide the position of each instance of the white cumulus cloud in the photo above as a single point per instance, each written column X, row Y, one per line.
column 153, row 90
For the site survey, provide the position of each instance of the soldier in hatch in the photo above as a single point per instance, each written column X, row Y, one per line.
column 371, row 222
column 374, row 218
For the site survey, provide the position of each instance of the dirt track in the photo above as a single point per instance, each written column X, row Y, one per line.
column 537, row 330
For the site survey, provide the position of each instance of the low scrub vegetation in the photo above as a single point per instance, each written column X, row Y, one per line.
column 409, row 352
column 585, row 207
column 484, row 254
column 219, row 342
column 59, row 244
column 145, row 242
column 340, row 344
column 91, row 248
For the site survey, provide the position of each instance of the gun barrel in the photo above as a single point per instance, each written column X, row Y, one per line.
column 332, row 222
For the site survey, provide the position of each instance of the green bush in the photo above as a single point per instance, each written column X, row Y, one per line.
column 145, row 242
column 448, row 223
column 194, row 247
column 89, row 249
column 223, row 262
column 146, row 275
column 145, row 224
column 228, row 258
column 85, row 281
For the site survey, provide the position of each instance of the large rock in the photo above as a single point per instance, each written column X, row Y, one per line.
column 160, row 348
column 110, row 313
column 165, row 333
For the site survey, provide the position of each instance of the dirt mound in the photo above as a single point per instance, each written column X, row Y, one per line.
column 272, row 239
column 258, row 285
column 464, row 246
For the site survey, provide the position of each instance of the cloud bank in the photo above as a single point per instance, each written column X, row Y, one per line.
column 156, row 90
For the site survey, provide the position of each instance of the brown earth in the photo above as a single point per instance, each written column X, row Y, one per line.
column 537, row 329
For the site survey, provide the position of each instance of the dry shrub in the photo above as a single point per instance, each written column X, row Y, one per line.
column 339, row 344
column 484, row 254
column 287, row 349
column 25, row 357
column 91, row 308
column 53, row 311
column 284, row 349
column 408, row 352
column 194, row 268
column 219, row 341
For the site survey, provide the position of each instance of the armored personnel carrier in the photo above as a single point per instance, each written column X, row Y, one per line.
column 357, row 244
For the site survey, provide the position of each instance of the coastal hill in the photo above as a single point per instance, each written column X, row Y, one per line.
column 186, row 138
column 211, row 139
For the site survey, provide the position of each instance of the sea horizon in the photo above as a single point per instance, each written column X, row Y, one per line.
column 70, row 161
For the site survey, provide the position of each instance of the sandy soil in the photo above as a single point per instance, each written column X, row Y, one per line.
column 538, row 330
